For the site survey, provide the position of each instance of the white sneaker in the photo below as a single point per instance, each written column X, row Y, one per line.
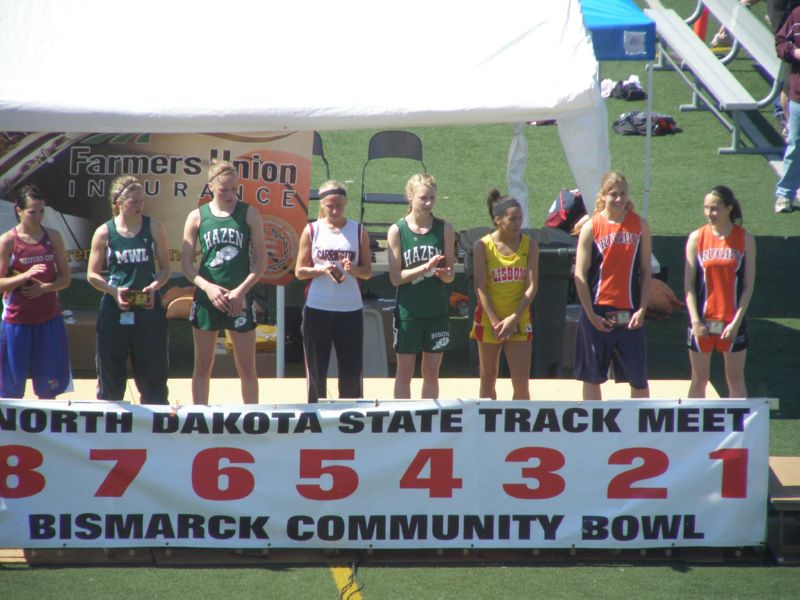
column 721, row 39
column 783, row 205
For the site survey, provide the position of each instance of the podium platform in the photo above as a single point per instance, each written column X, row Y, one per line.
column 293, row 390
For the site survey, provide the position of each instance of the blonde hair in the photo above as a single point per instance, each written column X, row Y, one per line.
column 417, row 181
column 121, row 185
column 331, row 184
column 218, row 167
column 609, row 181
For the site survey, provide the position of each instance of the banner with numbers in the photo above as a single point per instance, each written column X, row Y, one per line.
column 445, row 474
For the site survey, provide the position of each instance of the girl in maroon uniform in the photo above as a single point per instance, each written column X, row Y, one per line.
column 33, row 340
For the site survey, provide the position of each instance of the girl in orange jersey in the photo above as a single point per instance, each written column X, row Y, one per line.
column 719, row 276
column 506, row 270
column 612, row 278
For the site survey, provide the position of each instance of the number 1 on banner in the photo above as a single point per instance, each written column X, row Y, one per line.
column 440, row 483
column 128, row 464
column 734, row 471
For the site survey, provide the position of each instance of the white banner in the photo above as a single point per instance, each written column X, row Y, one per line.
column 446, row 474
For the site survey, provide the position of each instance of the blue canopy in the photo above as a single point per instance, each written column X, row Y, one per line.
column 620, row 30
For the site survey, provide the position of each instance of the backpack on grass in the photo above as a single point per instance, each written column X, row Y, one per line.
column 635, row 123
column 566, row 210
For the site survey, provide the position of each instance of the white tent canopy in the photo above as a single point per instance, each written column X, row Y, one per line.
column 178, row 66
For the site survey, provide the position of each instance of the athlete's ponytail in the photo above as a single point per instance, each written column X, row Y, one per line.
column 726, row 196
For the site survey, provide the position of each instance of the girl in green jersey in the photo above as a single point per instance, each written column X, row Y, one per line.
column 226, row 229
column 421, row 256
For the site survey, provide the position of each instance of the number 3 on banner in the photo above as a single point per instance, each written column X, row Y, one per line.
column 550, row 484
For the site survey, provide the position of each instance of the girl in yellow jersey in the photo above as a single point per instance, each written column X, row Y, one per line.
column 506, row 264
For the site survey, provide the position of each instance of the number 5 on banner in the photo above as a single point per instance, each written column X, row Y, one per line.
column 128, row 464
column 344, row 480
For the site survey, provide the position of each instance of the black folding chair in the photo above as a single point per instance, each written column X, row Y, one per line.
column 387, row 144
column 319, row 151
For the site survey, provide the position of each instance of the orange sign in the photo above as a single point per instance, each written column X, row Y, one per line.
column 75, row 170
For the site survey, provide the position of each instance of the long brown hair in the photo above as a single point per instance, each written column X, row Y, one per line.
column 28, row 192
column 726, row 196
column 609, row 181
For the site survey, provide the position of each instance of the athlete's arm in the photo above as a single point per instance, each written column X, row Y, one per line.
column 363, row 270
column 159, row 234
column 397, row 274
column 94, row 270
column 732, row 329
column 215, row 293
column 689, row 275
column 479, row 276
column 63, row 276
column 305, row 267
column 645, row 273
column 447, row 273
column 13, row 281
column 583, row 259
column 237, row 295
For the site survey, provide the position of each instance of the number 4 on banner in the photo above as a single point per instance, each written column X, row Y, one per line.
column 440, row 482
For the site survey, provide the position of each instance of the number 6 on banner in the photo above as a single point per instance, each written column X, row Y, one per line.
column 207, row 473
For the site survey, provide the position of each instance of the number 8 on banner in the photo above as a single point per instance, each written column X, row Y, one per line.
column 18, row 477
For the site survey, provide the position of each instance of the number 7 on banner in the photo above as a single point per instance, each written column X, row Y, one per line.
column 128, row 464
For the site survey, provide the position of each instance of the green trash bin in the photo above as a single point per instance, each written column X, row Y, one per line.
column 556, row 257
column 550, row 310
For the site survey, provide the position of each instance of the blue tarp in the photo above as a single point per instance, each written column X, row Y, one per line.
column 620, row 30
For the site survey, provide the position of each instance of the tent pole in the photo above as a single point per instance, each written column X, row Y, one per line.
column 648, row 140
column 515, row 171
column 280, row 318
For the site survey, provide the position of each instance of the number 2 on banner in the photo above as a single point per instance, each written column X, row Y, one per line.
column 654, row 463
column 122, row 474
column 440, row 483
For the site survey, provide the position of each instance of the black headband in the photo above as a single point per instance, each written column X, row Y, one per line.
column 500, row 207
column 333, row 192
column 125, row 188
